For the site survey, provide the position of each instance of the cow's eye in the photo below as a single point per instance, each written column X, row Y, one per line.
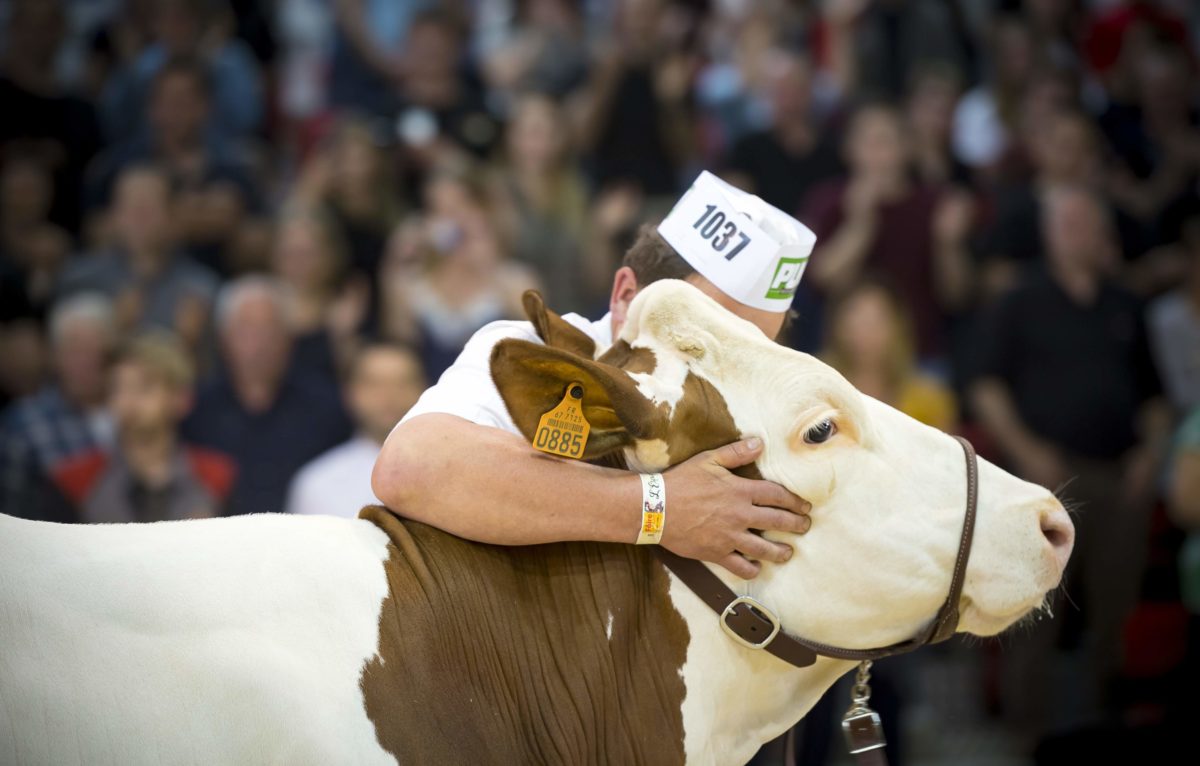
column 821, row 432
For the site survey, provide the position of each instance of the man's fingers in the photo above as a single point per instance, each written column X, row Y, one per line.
column 738, row 565
column 779, row 521
column 738, row 454
column 754, row 547
column 769, row 494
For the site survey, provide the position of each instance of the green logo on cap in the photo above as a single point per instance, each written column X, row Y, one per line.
column 787, row 278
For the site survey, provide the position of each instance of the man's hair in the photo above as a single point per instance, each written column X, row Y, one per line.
column 91, row 307
column 162, row 355
column 652, row 259
column 376, row 346
column 186, row 66
column 234, row 293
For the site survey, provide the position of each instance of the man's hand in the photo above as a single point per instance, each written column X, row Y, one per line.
column 713, row 515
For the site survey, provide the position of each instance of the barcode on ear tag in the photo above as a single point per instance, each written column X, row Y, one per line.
column 563, row 431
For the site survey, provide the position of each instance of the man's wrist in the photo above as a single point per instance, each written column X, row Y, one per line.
column 654, row 509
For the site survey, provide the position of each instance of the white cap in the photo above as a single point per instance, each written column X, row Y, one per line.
column 751, row 251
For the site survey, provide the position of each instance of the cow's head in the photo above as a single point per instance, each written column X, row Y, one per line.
column 888, row 493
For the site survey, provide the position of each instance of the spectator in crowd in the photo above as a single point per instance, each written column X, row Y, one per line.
column 327, row 305
column 464, row 282
column 149, row 281
column 41, row 121
column 879, row 219
column 541, row 201
column 64, row 419
column 542, row 50
column 148, row 474
column 929, row 107
column 191, row 29
column 1067, row 389
column 784, row 161
column 368, row 60
column 870, row 341
column 440, row 103
column 353, row 177
column 985, row 118
column 1065, row 150
column 383, row 383
column 26, row 195
column 33, row 250
column 895, row 37
column 1173, row 320
column 215, row 194
column 634, row 119
column 269, row 420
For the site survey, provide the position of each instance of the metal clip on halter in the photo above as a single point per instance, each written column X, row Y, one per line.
column 861, row 724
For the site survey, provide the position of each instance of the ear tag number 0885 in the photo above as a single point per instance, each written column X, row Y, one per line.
column 563, row 431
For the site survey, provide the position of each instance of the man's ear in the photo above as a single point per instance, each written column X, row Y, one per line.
column 555, row 331
column 532, row 380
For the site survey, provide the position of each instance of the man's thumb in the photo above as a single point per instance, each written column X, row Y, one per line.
column 739, row 453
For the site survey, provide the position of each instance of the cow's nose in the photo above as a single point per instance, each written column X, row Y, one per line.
column 1059, row 532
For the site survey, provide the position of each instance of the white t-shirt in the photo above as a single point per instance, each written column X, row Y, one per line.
column 337, row 482
column 466, row 389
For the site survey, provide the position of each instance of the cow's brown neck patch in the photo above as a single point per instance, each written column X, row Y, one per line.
column 492, row 654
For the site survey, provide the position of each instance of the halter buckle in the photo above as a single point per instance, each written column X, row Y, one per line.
column 758, row 610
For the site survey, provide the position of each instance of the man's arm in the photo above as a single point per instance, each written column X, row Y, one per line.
column 1036, row 459
column 489, row 485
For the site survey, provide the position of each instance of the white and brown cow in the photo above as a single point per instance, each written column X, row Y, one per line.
column 275, row 639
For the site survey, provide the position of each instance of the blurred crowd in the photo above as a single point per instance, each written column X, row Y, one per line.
column 238, row 238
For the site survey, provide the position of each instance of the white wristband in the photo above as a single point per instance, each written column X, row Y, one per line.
column 654, row 509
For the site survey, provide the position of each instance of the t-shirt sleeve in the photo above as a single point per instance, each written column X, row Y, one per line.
column 466, row 389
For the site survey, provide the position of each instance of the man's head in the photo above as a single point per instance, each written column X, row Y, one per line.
column 790, row 83
column 150, row 386
column 254, row 330
column 383, row 383
column 179, row 103
column 82, row 331
column 739, row 250
column 876, row 143
column 650, row 259
column 1079, row 231
column 141, row 211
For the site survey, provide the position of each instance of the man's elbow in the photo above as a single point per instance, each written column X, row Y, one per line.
column 396, row 478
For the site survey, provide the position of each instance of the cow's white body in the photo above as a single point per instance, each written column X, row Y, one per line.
column 227, row 641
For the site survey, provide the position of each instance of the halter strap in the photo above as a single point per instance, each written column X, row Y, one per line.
column 752, row 624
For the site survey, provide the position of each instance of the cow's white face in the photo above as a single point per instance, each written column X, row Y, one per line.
column 888, row 493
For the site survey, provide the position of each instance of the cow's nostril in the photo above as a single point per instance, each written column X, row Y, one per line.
column 1057, row 537
column 1058, row 529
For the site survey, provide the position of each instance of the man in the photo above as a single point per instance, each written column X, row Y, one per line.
column 458, row 444
column 1069, row 393
column 148, row 475
column 66, row 418
column 150, row 283
column 383, row 384
column 271, row 421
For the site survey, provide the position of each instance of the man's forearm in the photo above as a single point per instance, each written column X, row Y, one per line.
column 489, row 485
column 999, row 415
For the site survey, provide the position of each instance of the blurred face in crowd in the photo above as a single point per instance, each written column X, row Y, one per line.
column 536, row 134
column 1078, row 233
column 385, row 383
column 178, row 108
column 178, row 25
column 865, row 326
column 35, row 30
column 26, row 192
column 878, row 146
column 256, row 339
column 143, row 402
column 1014, row 52
column 931, row 106
column 1162, row 77
column 790, row 88
column 432, row 50
column 1065, row 148
column 459, row 225
column 356, row 160
column 141, row 212
column 303, row 256
column 80, row 354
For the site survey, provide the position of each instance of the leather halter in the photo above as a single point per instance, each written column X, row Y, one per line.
column 753, row 625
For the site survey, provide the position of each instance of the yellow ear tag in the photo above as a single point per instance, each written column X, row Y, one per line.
column 564, row 430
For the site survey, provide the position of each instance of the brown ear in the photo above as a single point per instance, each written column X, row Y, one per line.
column 532, row 380
column 555, row 331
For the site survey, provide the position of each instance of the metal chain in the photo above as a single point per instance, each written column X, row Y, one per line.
column 861, row 693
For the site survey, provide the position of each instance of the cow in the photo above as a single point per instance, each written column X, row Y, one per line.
column 318, row 640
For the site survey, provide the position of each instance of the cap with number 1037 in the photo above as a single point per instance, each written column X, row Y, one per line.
column 753, row 252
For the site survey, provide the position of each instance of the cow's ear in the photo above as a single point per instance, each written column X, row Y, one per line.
column 532, row 380
column 555, row 331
